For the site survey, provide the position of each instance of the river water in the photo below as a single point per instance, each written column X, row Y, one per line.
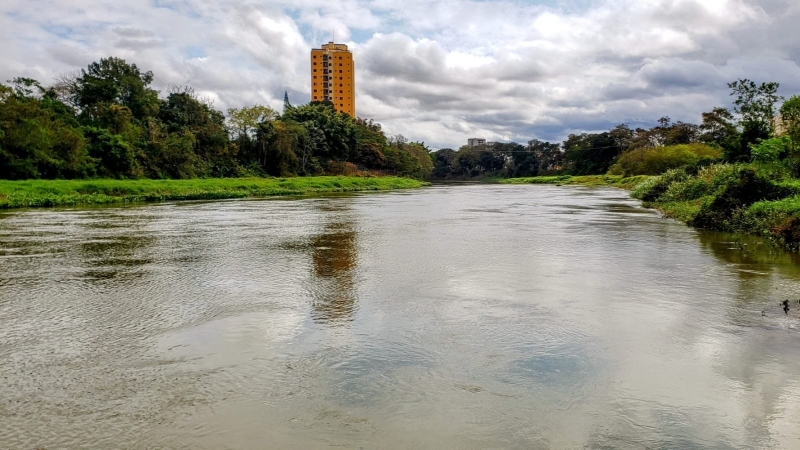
column 479, row 316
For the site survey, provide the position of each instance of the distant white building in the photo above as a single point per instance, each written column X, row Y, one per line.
column 476, row 142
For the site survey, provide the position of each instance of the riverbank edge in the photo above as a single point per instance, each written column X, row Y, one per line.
column 50, row 193
column 627, row 183
column 778, row 230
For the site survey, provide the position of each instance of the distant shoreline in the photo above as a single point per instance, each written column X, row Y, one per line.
column 50, row 193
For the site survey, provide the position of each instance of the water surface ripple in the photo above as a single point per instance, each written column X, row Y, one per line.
column 449, row 317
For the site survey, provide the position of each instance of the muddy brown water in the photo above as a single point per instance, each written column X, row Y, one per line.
column 477, row 316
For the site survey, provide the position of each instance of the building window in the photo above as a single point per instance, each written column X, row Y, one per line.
column 341, row 71
column 315, row 70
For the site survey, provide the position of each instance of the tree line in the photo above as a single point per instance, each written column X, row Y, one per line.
column 754, row 128
column 107, row 121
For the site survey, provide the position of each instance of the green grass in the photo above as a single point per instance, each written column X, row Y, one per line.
column 42, row 193
column 684, row 211
column 586, row 180
column 786, row 206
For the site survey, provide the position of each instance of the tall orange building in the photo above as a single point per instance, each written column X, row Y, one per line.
column 333, row 77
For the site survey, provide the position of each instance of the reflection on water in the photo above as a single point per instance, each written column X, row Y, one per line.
column 117, row 256
column 469, row 316
column 755, row 252
column 334, row 290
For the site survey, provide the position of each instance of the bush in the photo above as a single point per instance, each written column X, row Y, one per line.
column 776, row 219
column 770, row 150
column 707, row 181
column 655, row 161
column 742, row 188
column 652, row 189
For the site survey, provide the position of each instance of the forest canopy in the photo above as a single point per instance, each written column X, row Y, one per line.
column 107, row 121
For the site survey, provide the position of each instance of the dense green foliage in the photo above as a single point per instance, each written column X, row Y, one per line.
column 106, row 121
column 755, row 198
column 500, row 159
column 657, row 160
column 32, row 193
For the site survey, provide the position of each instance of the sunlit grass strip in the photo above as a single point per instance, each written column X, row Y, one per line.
column 586, row 180
column 684, row 211
column 43, row 193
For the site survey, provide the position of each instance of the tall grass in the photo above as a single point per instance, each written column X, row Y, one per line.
column 586, row 180
column 38, row 193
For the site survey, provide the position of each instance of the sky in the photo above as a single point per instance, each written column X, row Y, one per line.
column 438, row 71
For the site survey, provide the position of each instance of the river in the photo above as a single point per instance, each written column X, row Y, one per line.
column 477, row 316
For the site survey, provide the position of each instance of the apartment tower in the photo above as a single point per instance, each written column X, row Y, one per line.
column 333, row 77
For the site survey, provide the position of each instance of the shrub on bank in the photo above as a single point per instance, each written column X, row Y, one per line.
column 744, row 198
column 657, row 160
column 741, row 188
column 776, row 219
column 653, row 188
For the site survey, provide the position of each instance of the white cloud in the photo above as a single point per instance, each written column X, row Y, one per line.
column 438, row 71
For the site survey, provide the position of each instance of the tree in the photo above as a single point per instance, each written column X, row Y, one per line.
column 622, row 135
column 39, row 136
column 113, row 81
column 313, row 143
column 719, row 129
column 755, row 105
column 245, row 120
column 339, row 128
column 548, row 159
column 442, row 162
column 682, row 133
column 278, row 142
column 371, row 144
column 184, row 113
column 116, row 157
column 423, row 157
column 790, row 119
column 286, row 105
column 590, row 154
column 107, row 121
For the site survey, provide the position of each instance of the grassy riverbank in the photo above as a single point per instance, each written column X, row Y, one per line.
column 39, row 193
column 586, row 180
column 753, row 199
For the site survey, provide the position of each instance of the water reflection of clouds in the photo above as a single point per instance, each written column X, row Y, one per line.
column 436, row 323
column 371, row 375
column 564, row 367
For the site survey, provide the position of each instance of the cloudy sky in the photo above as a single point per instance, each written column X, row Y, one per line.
column 439, row 71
